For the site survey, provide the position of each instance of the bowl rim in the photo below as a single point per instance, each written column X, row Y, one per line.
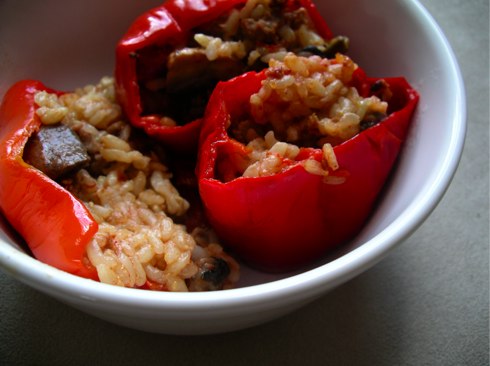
column 304, row 285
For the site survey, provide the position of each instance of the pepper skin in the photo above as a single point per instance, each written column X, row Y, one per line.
column 280, row 222
column 54, row 224
column 162, row 30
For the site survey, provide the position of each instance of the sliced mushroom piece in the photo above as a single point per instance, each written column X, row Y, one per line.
column 56, row 150
column 215, row 270
column 189, row 68
column 339, row 44
column 190, row 79
column 212, row 274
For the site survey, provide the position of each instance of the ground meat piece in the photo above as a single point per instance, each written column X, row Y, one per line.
column 297, row 18
column 56, row 150
column 261, row 30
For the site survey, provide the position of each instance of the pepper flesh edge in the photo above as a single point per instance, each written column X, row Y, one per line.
column 55, row 225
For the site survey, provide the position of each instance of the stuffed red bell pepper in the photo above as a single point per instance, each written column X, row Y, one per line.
column 94, row 198
column 292, row 158
column 170, row 59
column 55, row 225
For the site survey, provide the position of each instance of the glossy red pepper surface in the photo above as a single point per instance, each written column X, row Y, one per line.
column 169, row 27
column 279, row 222
column 55, row 225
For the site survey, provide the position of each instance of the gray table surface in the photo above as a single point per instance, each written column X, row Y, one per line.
column 427, row 303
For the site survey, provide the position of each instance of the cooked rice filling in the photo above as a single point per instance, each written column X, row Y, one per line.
column 130, row 194
column 304, row 102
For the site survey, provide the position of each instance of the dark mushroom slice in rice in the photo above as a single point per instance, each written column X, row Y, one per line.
column 190, row 78
column 339, row 44
column 212, row 275
column 56, row 151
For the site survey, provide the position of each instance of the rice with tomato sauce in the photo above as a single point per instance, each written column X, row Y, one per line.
column 140, row 242
column 305, row 102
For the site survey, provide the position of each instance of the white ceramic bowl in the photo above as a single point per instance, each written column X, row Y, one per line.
column 70, row 44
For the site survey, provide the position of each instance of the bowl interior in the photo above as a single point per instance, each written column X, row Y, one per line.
column 42, row 40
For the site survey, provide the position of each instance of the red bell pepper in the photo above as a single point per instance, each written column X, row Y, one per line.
column 55, row 225
column 282, row 221
column 143, row 51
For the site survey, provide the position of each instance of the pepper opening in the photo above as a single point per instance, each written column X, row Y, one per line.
column 177, row 83
column 304, row 108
